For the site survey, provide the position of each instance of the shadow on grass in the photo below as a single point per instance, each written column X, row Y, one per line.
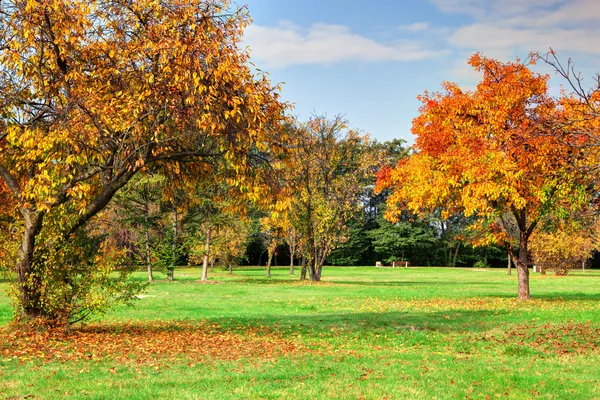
column 394, row 322
column 554, row 297
column 333, row 282
column 412, row 283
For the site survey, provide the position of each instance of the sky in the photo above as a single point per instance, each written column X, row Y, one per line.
column 369, row 60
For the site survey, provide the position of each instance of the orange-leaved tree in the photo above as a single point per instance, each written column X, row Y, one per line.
column 93, row 92
column 486, row 153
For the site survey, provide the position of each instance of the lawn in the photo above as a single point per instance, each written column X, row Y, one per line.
column 416, row 333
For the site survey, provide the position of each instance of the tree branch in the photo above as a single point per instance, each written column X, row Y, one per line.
column 11, row 182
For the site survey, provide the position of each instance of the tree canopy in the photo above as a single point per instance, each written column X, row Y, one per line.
column 487, row 153
column 92, row 93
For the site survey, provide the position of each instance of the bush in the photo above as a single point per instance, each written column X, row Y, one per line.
column 77, row 278
column 562, row 250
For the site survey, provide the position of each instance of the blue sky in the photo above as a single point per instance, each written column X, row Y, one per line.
column 370, row 60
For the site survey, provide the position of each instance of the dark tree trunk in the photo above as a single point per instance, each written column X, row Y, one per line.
column 455, row 257
column 147, row 240
column 315, row 272
column 171, row 271
column 29, row 283
column 303, row 270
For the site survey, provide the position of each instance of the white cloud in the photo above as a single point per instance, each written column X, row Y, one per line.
column 416, row 27
column 287, row 44
column 499, row 26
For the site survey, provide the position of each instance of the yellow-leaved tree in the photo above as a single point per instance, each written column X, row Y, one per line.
column 92, row 93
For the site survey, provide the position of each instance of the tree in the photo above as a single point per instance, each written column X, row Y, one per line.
column 138, row 204
column 91, row 93
column 273, row 231
column 325, row 173
column 404, row 240
column 486, row 153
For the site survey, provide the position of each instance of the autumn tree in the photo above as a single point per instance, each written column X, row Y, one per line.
column 486, row 154
column 327, row 167
column 93, row 92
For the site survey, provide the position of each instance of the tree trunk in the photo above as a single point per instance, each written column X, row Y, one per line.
column 147, row 239
column 315, row 272
column 303, row 270
column 583, row 265
column 29, row 283
column 212, row 264
column 269, row 264
column 522, row 268
column 230, row 268
column 509, row 264
column 292, row 264
column 206, row 256
column 171, row 271
column 260, row 258
column 455, row 257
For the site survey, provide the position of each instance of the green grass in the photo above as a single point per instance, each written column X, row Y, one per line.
column 417, row 333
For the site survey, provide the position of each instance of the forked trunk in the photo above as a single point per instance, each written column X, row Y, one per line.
column 303, row 269
column 315, row 272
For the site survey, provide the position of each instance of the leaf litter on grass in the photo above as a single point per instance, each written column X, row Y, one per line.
column 142, row 343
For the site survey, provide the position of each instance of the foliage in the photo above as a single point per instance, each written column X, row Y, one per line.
column 229, row 240
column 357, row 250
column 403, row 240
column 80, row 277
column 565, row 248
column 91, row 93
column 486, row 154
column 327, row 168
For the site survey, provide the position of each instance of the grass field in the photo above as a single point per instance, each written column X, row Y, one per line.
column 416, row 333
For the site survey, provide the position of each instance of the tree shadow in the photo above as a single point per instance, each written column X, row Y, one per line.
column 392, row 322
column 333, row 282
column 410, row 283
column 554, row 297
